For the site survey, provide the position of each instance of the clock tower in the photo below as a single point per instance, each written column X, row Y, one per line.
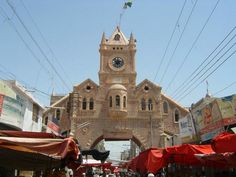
column 117, row 60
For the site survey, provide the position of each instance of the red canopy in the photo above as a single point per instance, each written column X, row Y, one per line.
column 224, row 142
column 184, row 154
column 26, row 151
column 150, row 160
column 219, row 160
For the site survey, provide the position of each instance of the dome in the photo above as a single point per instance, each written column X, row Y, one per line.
column 117, row 87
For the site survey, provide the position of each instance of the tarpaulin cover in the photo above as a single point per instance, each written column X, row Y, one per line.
column 150, row 160
column 219, row 160
column 97, row 155
column 27, row 149
column 184, row 154
column 224, row 142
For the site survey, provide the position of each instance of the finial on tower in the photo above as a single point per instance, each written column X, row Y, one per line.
column 103, row 38
column 131, row 39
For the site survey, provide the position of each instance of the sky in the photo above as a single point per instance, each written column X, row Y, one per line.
column 51, row 46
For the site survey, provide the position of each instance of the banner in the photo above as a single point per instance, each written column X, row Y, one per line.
column 12, row 106
column 211, row 118
column 51, row 126
column 185, row 126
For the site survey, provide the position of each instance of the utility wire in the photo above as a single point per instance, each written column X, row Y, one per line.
column 10, row 75
column 38, row 46
column 211, row 71
column 185, row 82
column 25, row 43
column 183, row 91
column 208, row 64
column 190, row 50
column 172, row 55
column 168, row 44
column 45, row 41
column 228, row 86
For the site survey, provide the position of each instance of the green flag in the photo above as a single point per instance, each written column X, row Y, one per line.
column 127, row 4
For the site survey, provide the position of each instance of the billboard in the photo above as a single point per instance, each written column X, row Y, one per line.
column 12, row 106
column 211, row 118
column 186, row 127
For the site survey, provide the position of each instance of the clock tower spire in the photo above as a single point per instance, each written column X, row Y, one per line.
column 117, row 59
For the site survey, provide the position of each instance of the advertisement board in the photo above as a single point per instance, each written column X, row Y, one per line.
column 12, row 106
column 211, row 118
column 185, row 126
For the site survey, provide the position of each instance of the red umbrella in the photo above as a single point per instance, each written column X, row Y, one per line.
column 224, row 142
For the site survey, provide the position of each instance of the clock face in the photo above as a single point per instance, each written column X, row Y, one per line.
column 117, row 62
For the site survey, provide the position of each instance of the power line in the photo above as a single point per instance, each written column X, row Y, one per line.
column 183, row 91
column 25, row 43
column 228, row 86
column 168, row 44
column 172, row 55
column 190, row 50
column 185, row 82
column 36, row 43
column 45, row 41
column 10, row 75
column 209, row 63
column 210, row 72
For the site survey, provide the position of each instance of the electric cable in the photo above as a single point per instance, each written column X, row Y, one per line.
column 190, row 50
column 168, row 44
column 209, row 73
column 45, row 41
column 38, row 46
column 228, row 86
column 25, row 43
column 172, row 55
column 183, row 84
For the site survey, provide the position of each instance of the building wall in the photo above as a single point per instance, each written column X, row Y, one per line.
column 17, row 111
column 141, row 121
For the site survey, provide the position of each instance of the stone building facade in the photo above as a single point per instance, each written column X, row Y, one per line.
column 117, row 108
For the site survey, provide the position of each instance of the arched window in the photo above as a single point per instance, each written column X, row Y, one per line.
column 124, row 102
column 117, row 100
column 150, row 106
column 143, row 104
column 176, row 115
column 84, row 104
column 110, row 101
column 58, row 114
column 165, row 107
column 91, row 104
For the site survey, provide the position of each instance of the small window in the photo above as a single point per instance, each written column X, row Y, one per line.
column 176, row 115
column 91, row 104
column 146, row 88
column 165, row 107
column 88, row 88
column 124, row 101
column 117, row 37
column 84, row 104
column 150, row 106
column 58, row 114
column 110, row 101
column 143, row 104
column 117, row 100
